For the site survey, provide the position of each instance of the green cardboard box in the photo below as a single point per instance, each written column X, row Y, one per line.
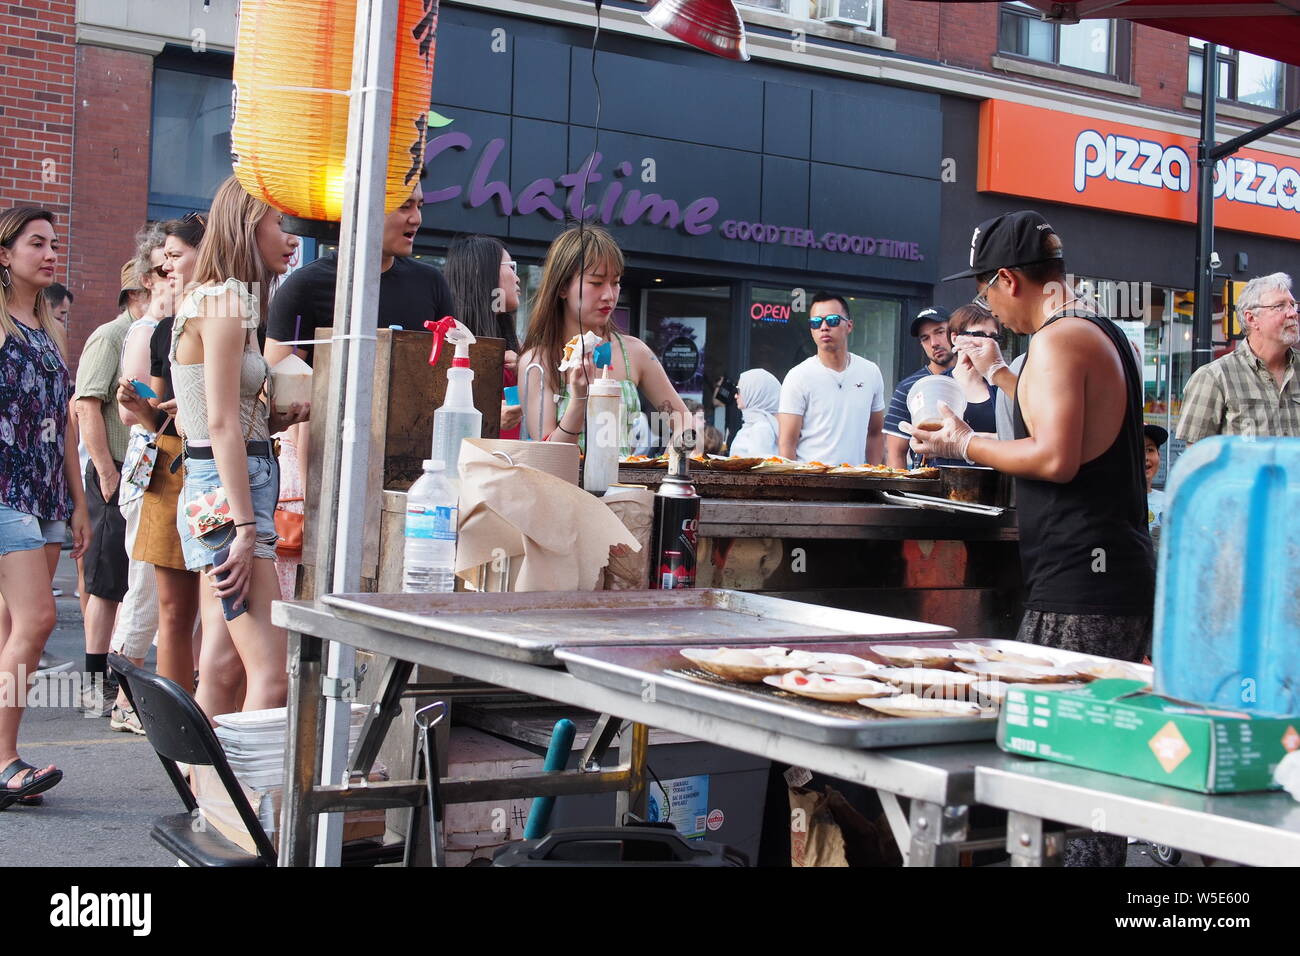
column 1112, row 725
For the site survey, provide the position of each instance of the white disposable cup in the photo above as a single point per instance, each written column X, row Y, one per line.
column 924, row 397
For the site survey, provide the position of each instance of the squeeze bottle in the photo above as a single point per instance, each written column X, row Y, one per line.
column 457, row 419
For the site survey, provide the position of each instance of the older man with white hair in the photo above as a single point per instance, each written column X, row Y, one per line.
column 1254, row 389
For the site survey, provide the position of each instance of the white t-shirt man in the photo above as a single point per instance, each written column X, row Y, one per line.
column 836, row 408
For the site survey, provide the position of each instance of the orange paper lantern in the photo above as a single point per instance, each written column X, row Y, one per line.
column 293, row 72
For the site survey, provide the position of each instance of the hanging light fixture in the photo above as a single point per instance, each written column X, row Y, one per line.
column 713, row 26
column 292, row 78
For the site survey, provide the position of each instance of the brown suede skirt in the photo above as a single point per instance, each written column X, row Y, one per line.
column 157, row 542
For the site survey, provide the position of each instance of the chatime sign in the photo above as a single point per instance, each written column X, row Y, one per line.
column 1047, row 154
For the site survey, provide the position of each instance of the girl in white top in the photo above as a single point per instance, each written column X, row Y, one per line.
column 758, row 394
column 219, row 376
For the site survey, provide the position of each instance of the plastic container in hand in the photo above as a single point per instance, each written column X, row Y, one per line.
column 604, row 432
column 429, row 560
column 1227, row 616
column 924, row 397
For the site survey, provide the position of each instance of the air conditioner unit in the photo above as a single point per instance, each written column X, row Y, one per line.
column 863, row 14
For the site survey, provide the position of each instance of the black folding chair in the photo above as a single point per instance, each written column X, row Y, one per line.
column 178, row 731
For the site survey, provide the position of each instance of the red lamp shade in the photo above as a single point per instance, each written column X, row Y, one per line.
column 293, row 73
column 713, row 26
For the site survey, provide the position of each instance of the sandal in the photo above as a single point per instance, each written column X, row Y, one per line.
column 35, row 784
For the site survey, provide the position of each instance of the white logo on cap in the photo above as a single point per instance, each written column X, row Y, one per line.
column 1042, row 227
column 974, row 239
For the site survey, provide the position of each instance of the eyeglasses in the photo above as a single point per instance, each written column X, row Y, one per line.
column 50, row 361
column 1290, row 304
column 197, row 217
column 981, row 301
column 831, row 320
column 975, row 334
column 514, row 266
column 160, row 271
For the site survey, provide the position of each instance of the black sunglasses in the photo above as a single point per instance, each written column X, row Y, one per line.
column 977, row 335
column 831, row 320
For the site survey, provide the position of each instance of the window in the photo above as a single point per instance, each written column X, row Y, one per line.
column 1244, row 77
column 1096, row 46
column 190, row 141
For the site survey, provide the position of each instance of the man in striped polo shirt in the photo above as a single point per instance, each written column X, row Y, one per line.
column 930, row 329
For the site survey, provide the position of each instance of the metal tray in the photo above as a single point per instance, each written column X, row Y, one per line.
column 661, row 674
column 530, row 627
column 748, row 485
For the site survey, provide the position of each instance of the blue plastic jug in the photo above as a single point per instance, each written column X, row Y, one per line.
column 1227, row 616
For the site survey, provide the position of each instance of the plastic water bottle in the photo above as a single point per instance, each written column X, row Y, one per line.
column 429, row 562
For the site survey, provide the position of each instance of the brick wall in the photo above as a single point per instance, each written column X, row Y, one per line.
column 959, row 34
column 36, row 106
column 111, row 175
column 1160, row 66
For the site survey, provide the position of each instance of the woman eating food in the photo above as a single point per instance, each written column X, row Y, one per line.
column 572, row 314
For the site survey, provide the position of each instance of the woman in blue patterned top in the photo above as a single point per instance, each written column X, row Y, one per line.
column 40, row 484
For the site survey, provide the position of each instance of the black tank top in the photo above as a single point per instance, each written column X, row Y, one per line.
column 1084, row 544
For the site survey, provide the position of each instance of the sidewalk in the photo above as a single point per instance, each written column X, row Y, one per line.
column 113, row 785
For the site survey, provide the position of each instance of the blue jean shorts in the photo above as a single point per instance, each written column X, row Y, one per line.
column 263, row 483
column 54, row 532
column 19, row 531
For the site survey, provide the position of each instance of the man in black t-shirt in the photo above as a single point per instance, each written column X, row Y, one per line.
column 410, row 292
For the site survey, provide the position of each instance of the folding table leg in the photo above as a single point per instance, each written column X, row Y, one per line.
column 937, row 833
column 1031, row 844
column 633, row 749
column 303, row 749
column 385, row 708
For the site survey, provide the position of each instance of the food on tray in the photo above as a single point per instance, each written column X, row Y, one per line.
column 643, row 461
column 941, row 658
column 923, row 473
column 830, row 687
column 846, row 665
column 1018, row 673
column 747, row 665
column 574, row 349
column 990, row 693
column 732, row 464
column 909, row 705
column 784, row 466
column 1011, row 655
column 1105, row 670
column 949, row 683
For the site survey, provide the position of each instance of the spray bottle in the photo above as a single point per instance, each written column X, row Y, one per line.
column 457, row 419
column 605, row 427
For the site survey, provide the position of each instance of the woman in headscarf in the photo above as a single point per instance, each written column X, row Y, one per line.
column 757, row 395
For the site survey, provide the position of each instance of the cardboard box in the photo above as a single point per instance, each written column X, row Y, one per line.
column 218, row 811
column 1113, row 725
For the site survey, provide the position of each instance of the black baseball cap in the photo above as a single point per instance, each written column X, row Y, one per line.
column 1010, row 240
column 1156, row 434
column 934, row 313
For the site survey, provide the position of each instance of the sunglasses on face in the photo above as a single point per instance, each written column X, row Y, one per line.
column 832, row 321
column 160, row 271
column 977, row 334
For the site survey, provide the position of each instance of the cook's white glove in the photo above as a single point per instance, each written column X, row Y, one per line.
column 950, row 441
column 983, row 353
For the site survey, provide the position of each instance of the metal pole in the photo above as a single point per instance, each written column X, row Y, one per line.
column 1203, row 311
column 346, row 460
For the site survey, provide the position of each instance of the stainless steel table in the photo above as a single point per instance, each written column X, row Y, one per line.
column 1257, row 829
column 938, row 779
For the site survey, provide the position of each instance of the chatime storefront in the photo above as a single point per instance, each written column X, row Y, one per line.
column 1123, row 199
column 735, row 195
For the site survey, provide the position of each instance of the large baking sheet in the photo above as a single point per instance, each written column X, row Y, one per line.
column 661, row 674
column 530, row 627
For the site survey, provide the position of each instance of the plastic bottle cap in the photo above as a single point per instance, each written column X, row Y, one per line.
column 605, row 387
column 434, row 464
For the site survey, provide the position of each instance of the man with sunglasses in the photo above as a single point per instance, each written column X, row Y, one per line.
column 1077, row 458
column 1255, row 388
column 832, row 406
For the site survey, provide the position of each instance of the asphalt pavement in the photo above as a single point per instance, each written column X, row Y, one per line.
column 113, row 786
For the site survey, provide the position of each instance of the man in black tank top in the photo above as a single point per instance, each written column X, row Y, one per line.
column 1077, row 457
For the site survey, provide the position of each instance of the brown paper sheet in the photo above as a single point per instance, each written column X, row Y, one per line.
column 556, row 535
